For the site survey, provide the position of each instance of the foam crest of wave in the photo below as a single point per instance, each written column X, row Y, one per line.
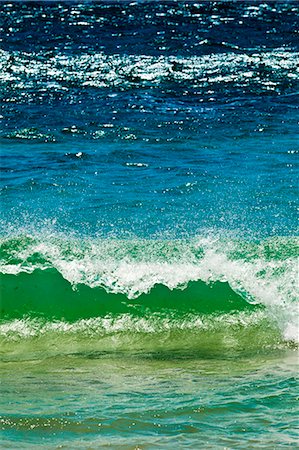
column 264, row 272
column 194, row 334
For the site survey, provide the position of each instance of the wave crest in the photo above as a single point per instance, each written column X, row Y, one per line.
column 81, row 278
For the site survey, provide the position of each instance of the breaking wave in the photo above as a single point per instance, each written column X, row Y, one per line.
column 138, row 294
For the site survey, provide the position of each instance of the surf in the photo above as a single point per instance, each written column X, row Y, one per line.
column 207, row 279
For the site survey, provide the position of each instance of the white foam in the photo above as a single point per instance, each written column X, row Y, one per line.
column 134, row 267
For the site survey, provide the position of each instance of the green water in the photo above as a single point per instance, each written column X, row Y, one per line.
column 142, row 344
column 154, row 400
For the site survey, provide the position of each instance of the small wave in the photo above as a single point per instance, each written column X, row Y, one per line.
column 62, row 277
column 152, row 334
column 31, row 134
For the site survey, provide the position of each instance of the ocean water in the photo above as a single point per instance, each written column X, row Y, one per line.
column 148, row 224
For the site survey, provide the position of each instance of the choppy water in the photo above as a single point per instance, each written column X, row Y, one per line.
column 149, row 249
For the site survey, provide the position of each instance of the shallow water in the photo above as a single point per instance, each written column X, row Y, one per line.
column 149, row 249
column 156, row 400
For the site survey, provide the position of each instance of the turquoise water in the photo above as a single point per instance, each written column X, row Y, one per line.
column 151, row 401
column 148, row 225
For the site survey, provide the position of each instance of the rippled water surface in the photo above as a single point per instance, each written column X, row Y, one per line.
column 161, row 401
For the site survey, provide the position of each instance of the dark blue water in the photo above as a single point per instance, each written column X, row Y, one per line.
column 150, row 117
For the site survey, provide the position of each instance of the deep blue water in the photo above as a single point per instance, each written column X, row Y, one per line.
column 150, row 117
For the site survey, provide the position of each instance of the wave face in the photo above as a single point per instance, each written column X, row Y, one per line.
column 146, row 294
